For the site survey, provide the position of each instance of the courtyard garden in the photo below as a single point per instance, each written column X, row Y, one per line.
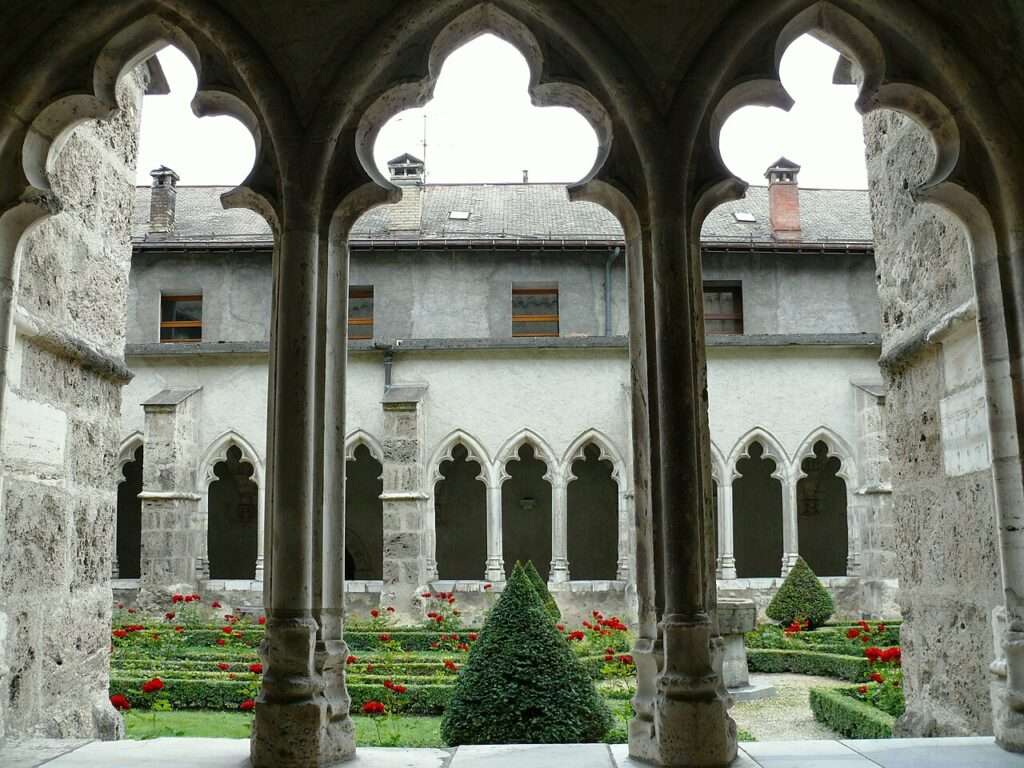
column 195, row 671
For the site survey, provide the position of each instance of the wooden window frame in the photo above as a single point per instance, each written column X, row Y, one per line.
column 536, row 291
column 360, row 292
column 169, row 297
column 737, row 290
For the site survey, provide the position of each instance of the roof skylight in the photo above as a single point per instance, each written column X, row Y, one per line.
column 459, row 215
column 744, row 216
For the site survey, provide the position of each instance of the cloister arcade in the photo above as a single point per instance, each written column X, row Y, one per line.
column 315, row 87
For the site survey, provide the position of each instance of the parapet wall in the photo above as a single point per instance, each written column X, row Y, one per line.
column 61, row 429
column 937, row 431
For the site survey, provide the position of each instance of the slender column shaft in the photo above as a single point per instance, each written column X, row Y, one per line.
column 727, row 566
column 495, row 566
column 790, row 527
column 559, row 533
column 625, row 520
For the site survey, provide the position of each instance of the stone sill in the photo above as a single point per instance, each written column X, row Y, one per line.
column 776, row 582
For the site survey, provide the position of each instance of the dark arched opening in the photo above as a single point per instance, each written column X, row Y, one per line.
column 460, row 518
column 129, row 519
column 757, row 516
column 364, row 516
column 592, row 525
column 821, row 513
column 526, row 512
column 233, row 526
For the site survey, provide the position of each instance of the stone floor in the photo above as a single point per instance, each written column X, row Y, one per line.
column 978, row 752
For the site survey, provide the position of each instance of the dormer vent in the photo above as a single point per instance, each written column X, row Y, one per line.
column 406, row 169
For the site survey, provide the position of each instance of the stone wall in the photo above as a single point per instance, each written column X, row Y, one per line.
column 942, row 498
column 61, row 430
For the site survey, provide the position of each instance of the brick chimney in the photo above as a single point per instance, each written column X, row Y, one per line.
column 784, row 199
column 162, row 199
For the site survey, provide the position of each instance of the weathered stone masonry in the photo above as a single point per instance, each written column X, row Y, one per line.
column 61, row 431
column 945, row 530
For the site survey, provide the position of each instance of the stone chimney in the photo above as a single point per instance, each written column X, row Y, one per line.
column 526, row 176
column 162, row 199
column 784, row 199
column 406, row 170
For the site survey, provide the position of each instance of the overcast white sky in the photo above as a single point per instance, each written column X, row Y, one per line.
column 480, row 126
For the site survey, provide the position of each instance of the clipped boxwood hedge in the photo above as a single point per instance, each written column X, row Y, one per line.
column 186, row 694
column 853, row 668
column 430, row 699
column 848, row 716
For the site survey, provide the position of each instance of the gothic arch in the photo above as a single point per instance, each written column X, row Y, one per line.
column 361, row 437
column 509, row 451
column 837, row 447
column 126, row 451
column 608, row 453
column 216, row 453
column 772, row 450
column 443, row 453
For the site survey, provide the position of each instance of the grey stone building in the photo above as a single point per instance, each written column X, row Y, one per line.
column 487, row 397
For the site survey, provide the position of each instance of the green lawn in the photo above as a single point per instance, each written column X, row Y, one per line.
column 400, row 732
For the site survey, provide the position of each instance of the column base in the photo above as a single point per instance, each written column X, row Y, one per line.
column 494, row 570
column 559, row 572
column 622, row 570
column 691, row 724
column 260, row 568
column 788, row 561
column 302, row 718
column 727, row 567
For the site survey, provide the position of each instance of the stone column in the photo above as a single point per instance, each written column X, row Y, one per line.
column 403, row 501
column 173, row 529
column 559, row 573
column 494, row 570
column 691, row 725
column 727, row 557
column 790, row 526
column 622, row 569
column 298, row 720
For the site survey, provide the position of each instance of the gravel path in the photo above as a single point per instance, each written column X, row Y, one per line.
column 787, row 715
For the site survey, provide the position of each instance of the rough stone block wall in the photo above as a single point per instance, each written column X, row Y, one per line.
column 947, row 557
column 61, row 430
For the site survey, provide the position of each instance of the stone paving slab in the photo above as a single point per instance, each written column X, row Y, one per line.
column 620, row 752
column 28, row 753
column 534, row 756
column 806, row 754
column 957, row 752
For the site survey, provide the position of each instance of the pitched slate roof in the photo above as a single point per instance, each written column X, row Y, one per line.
column 511, row 211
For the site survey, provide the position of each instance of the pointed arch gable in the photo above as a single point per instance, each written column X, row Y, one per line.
column 217, row 452
column 126, row 451
column 837, row 446
column 509, row 451
column 362, row 437
column 608, row 453
column 476, row 452
column 772, row 449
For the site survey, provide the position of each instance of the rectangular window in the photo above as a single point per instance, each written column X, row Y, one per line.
column 534, row 310
column 181, row 318
column 360, row 312
column 723, row 308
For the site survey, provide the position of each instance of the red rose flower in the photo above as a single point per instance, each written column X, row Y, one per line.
column 375, row 613
column 398, row 688
column 256, row 668
column 247, row 706
column 177, row 598
column 450, row 665
column 221, row 641
column 463, row 647
column 373, row 708
column 215, row 604
column 862, row 690
column 576, row 635
column 369, row 667
column 873, row 653
column 261, row 620
column 877, row 678
column 425, row 595
column 473, row 636
column 152, row 686
column 120, row 702
column 179, row 629
column 351, row 660
column 892, row 655
column 223, row 666
column 227, row 630
column 384, row 638
column 197, row 598
column 880, row 627
column 131, row 610
column 169, row 615
column 120, row 634
column 560, row 627
column 626, row 659
column 852, row 632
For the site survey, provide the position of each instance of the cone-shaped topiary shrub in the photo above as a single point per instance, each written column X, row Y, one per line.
column 541, row 587
column 522, row 684
column 802, row 597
